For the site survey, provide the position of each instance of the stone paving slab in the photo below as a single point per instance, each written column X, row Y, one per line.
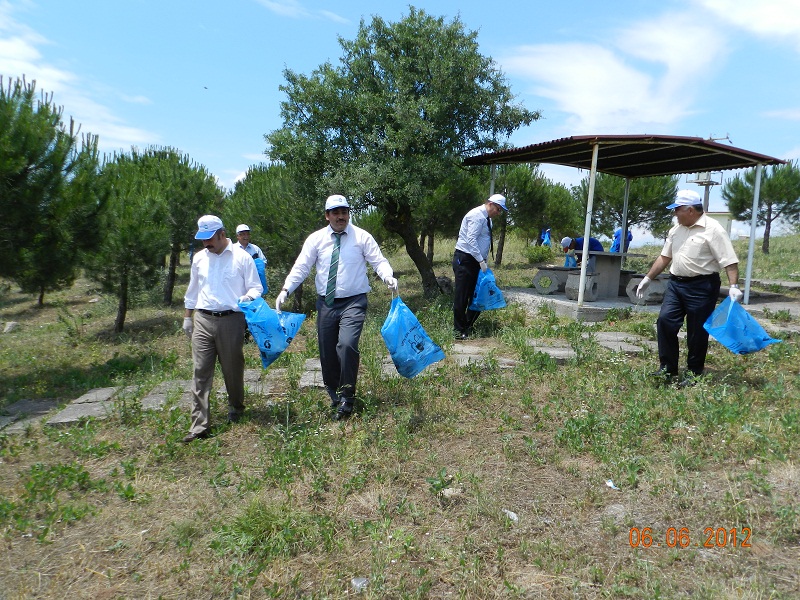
column 312, row 374
column 76, row 411
column 618, row 341
column 96, row 395
column 560, row 353
column 158, row 396
column 20, row 414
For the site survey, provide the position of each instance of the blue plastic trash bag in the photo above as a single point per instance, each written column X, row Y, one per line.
column 570, row 261
column 487, row 295
column 733, row 327
column 272, row 331
column 615, row 245
column 546, row 237
column 261, row 267
column 411, row 348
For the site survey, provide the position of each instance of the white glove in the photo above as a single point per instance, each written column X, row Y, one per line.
column 643, row 285
column 280, row 300
column 245, row 298
column 484, row 266
column 391, row 283
column 735, row 294
column 188, row 326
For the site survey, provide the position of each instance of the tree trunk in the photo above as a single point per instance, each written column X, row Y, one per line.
column 402, row 224
column 41, row 296
column 169, row 284
column 501, row 242
column 430, row 248
column 122, row 306
column 767, row 228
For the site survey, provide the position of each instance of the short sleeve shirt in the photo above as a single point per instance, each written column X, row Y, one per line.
column 702, row 249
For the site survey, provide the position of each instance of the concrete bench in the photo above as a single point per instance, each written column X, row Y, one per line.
column 549, row 280
column 654, row 294
column 591, row 290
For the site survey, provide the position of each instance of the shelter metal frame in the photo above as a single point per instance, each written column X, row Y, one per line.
column 632, row 157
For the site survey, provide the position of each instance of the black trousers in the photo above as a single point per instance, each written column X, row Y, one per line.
column 338, row 331
column 693, row 299
column 465, row 274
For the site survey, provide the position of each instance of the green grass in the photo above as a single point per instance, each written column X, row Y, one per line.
column 290, row 504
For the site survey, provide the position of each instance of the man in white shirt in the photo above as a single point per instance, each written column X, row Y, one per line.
column 222, row 275
column 472, row 251
column 342, row 296
column 243, row 235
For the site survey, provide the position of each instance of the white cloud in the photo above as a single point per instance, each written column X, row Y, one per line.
column 596, row 87
column 293, row 9
column 20, row 56
column 775, row 18
column 791, row 114
column 643, row 81
column 792, row 154
column 136, row 99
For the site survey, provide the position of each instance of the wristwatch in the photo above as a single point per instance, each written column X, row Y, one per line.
column 736, row 285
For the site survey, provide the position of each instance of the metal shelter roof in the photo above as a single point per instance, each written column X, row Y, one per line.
column 632, row 156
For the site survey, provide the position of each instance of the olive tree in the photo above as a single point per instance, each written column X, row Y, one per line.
column 392, row 121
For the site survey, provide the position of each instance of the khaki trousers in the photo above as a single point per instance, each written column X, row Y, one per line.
column 217, row 338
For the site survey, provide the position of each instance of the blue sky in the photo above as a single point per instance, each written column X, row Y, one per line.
column 203, row 75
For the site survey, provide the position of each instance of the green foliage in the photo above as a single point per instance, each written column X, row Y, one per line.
column 280, row 213
column 133, row 231
column 188, row 191
column 539, row 254
column 779, row 197
column 270, row 531
column 647, row 198
column 48, row 193
column 392, row 122
column 47, row 498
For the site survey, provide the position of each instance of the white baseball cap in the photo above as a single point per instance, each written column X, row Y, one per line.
column 500, row 200
column 207, row 226
column 686, row 198
column 565, row 243
column 336, row 201
column 241, row 228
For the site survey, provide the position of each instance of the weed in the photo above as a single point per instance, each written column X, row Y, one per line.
column 439, row 482
column 780, row 316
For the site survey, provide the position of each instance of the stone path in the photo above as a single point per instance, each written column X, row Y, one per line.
column 100, row 403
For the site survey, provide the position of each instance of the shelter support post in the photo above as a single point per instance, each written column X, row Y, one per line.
column 623, row 241
column 587, row 227
column 751, row 244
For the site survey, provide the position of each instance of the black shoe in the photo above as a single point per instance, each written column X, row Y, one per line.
column 235, row 417
column 663, row 376
column 345, row 409
column 195, row 436
column 460, row 335
column 690, row 379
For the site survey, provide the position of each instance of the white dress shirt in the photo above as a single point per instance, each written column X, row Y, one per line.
column 217, row 281
column 474, row 237
column 357, row 249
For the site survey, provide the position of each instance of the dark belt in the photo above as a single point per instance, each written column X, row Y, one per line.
column 217, row 313
column 695, row 278
column 462, row 254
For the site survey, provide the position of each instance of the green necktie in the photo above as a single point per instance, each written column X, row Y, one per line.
column 330, row 291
